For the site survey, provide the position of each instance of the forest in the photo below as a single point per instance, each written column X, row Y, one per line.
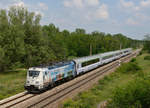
column 24, row 42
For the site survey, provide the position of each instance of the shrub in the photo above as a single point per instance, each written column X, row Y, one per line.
column 147, row 58
column 133, row 60
column 129, row 67
column 134, row 95
column 84, row 100
column 68, row 104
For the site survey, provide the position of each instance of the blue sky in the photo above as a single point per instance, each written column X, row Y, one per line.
column 129, row 17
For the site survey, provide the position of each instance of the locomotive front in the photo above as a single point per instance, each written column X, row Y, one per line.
column 34, row 80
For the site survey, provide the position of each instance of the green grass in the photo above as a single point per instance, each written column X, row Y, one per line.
column 12, row 83
column 105, row 89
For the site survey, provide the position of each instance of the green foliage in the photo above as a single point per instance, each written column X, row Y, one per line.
column 129, row 67
column 87, row 100
column 133, row 95
column 133, row 60
column 147, row 58
column 147, row 43
column 147, row 46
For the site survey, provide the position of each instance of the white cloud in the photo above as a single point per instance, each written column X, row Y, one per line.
column 91, row 9
column 19, row 4
column 92, row 2
column 137, row 11
column 102, row 12
column 43, row 6
column 5, row 4
column 73, row 3
column 137, row 8
column 39, row 13
column 141, row 16
column 126, row 3
column 80, row 3
column 67, row 3
column 131, row 21
column 144, row 3
column 129, row 5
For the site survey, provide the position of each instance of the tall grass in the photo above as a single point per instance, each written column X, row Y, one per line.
column 12, row 83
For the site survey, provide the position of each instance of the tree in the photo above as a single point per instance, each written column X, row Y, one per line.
column 147, row 42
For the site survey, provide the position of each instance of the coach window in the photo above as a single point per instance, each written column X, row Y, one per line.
column 107, row 57
column 90, row 62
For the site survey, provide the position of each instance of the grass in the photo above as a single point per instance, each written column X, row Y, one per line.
column 105, row 89
column 12, row 83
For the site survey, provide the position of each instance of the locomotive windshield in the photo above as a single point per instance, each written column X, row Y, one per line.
column 34, row 73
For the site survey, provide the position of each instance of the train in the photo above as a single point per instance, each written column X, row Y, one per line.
column 41, row 78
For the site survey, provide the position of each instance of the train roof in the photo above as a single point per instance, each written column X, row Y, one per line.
column 87, row 58
column 126, row 49
column 60, row 64
column 81, row 59
column 53, row 66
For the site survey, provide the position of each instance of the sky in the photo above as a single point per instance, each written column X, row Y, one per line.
column 129, row 17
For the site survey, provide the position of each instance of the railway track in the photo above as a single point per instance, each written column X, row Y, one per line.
column 53, row 97
column 12, row 101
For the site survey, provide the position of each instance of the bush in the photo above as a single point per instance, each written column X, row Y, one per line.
column 129, row 67
column 133, row 60
column 134, row 95
column 147, row 58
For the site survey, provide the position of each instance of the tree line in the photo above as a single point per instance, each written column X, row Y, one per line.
column 24, row 42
